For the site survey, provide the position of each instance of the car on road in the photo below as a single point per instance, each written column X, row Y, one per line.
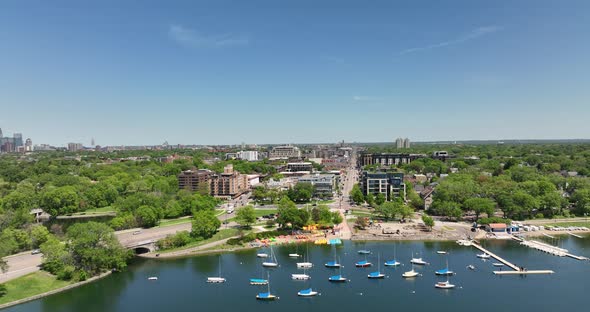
column 230, row 210
column 136, row 232
column 35, row 251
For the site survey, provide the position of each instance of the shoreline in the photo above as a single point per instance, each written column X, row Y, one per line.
column 55, row 291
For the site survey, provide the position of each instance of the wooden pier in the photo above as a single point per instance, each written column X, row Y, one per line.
column 575, row 235
column 523, row 272
column 493, row 255
column 549, row 235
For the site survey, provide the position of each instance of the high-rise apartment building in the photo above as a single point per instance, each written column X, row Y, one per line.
column 229, row 184
column 74, row 147
column 195, row 180
column 28, row 145
column 399, row 143
column 286, row 152
column 406, row 143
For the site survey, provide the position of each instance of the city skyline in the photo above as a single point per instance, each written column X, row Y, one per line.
column 212, row 73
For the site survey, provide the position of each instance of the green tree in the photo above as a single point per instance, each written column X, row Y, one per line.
column 94, row 248
column 370, row 199
column 205, row 224
column 357, row 195
column 55, row 256
column 479, row 206
column 147, row 216
column 336, row 217
column 61, row 200
column 39, row 235
column 380, row 199
column 246, row 216
column 301, row 192
column 428, row 221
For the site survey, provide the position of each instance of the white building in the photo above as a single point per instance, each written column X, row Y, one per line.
column 248, row 155
column 286, row 151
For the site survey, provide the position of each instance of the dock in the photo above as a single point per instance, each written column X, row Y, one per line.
column 523, row 272
column 575, row 235
column 500, row 259
column 545, row 234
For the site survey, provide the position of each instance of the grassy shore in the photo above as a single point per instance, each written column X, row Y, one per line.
column 31, row 285
column 221, row 234
column 574, row 223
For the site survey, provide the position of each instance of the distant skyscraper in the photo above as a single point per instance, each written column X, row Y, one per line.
column 399, row 143
column 28, row 145
column 1, row 136
column 92, row 144
column 74, row 147
column 406, row 143
column 18, row 139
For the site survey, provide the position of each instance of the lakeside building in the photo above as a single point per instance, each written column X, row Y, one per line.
column 324, row 185
column 229, row 184
column 194, row 180
column 285, row 152
column 389, row 184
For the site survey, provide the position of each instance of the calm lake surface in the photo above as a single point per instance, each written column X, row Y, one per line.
column 181, row 285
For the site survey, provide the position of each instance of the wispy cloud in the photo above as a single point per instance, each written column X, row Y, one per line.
column 364, row 98
column 473, row 34
column 191, row 38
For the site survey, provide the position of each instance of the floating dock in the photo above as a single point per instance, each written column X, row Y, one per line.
column 523, row 272
column 545, row 234
column 575, row 235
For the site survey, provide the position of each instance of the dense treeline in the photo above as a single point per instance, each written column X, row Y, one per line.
column 518, row 180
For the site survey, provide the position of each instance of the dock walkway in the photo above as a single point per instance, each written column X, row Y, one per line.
column 493, row 255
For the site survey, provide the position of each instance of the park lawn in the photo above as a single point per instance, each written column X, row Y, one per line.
column 30, row 285
column 107, row 209
column 221, row 234
column 361, row 213
column 168, row 222
column 258, row 213
column 573, row 223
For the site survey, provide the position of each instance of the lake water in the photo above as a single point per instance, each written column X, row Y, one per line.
column 181, row 285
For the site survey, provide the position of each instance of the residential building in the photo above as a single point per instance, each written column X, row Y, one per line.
column 29, row 145
column 324, row 185
column 248, row 155
column 229, row 184
column 194, row 180
column 389, row 184
column 286, row 152
column 299, row 166
column 74, row 147
column 406, row 143
column 399, row 143
column 386, row 159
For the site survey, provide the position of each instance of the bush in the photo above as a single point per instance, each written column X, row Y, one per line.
column 66, row 273
column 2, row 290
column 82, row 276
column 539, row 216
column 173, row 241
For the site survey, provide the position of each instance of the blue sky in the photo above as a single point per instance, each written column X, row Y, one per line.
column 226, row 72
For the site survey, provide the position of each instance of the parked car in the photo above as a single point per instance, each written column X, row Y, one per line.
column 35, row 251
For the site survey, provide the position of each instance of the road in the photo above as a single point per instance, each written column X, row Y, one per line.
column 20, row 264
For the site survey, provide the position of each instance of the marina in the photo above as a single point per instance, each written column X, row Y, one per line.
column 182, row 282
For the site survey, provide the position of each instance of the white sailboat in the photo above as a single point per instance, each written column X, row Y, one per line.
column 217, row 279
column 301, row 277
column 411, row 273
column 295, row 255
column 306, row 264
column 418, row 261
column 307, row 293
column 272, row 262
column 444, row 285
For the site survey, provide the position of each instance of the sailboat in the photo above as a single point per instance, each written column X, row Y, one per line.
column 411, row 273
column 301, row 277
column 258, row 281
column 272, row 263
column 305, row 264
column 333, row 264
column 363, row 263
column 307, row 293
column 364, row 252
column 295, row 255
column 338, row 278
column 377, row 274
column 444, row 285
column 444, row 271
column 267, row 295
column 484, row 256
column 217, row 279
column 393, row 262
column 418, row 261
